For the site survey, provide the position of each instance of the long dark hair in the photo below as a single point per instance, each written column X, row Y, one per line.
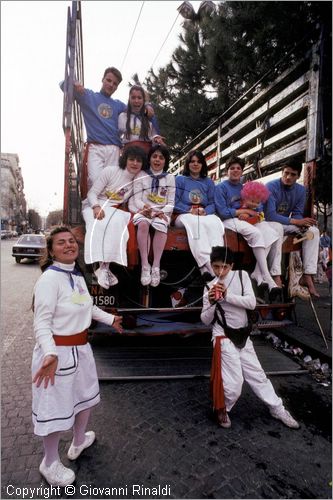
column 199, row 154
column 143, row 117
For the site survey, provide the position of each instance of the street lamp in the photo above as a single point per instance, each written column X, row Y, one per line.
column 186, row 10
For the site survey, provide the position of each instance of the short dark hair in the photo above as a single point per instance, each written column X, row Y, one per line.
column 135, row 152
column 115, row 71
column 199, row 154
column 235, row 159
column 165, row 153
column 223, row 254
column 293, row 164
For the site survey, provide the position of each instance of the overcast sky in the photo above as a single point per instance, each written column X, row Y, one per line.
column 33, row 36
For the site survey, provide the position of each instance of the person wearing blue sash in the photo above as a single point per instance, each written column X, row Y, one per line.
column 65, row 385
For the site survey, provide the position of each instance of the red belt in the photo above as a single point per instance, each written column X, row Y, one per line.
column 216, row 382
column 75, row 339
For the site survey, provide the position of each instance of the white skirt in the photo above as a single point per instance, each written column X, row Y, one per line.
column 106, row 239
column 203, row 233
column 156, row 222
column 75, row 389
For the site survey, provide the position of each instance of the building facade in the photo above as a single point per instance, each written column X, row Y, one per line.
column 13, row 203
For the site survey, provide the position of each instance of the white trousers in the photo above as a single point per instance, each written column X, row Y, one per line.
column 242, row 364
column 203, row 233
column 106, row 239
column 100, row 156
column 310, row 248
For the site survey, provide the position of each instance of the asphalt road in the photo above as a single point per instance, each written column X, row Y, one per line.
column 158, row 439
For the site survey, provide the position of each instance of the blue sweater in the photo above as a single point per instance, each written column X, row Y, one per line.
column 228, row 199
column 191, row 191
column 284, row 202
column 100, row 114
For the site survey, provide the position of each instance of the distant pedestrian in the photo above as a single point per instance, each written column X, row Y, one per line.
column 234, row 360
column 65, row 384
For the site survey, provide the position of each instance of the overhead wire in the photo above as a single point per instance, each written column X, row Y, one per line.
column 158, row 53
column 129, row 44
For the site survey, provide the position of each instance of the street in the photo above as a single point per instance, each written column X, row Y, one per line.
column 157, row 439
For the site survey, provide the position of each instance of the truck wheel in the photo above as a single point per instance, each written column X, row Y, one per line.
column 18, row 259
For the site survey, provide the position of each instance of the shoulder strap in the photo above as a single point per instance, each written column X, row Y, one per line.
column 240, row 274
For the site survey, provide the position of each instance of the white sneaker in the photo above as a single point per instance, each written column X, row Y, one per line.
column 223, row 419
column 145, row 276
column 155, row 276
column 57, row 474
column 75, row 451
column 113, row 280
column 285, row 417
column 102, row 278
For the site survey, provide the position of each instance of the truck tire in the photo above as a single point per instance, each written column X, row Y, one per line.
column 18, row 259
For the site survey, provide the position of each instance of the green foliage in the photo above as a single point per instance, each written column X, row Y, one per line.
column 222, row 56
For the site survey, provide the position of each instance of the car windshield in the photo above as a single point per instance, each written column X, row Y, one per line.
column 32, row 239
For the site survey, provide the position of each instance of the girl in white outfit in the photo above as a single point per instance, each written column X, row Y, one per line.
column 134, row 126
column 65, row 384
column 152, row 202
column 106, row 222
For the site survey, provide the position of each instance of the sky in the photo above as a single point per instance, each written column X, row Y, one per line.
column 33, row 36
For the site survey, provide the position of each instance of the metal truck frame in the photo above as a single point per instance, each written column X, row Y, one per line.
column 266, row 126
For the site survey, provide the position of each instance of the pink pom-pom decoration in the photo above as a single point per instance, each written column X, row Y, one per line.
column 255, row 190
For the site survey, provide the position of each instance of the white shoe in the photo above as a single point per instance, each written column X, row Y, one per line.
column 57, row 474
column 145, row 276
column 285, row 417
column 102, row 278
column 155, row 276
column 75, row 451
column 113, row 280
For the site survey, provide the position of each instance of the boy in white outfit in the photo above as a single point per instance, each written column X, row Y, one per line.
column 232, row 291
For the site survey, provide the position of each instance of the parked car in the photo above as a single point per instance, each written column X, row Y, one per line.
column 6, row 234
column 29, row 246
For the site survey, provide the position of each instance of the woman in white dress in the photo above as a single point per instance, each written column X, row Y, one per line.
column 65, row 384
column 106, row 220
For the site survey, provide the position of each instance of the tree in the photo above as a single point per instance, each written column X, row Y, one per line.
column 222, row 56
column 54, row 218
column 34, row 219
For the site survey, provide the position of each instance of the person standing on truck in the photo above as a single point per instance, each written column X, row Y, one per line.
column 225, row 306
column 152, row 203
column 65, row 385
column 285, row 212
column 135, row 128
column 100, row 113
column 106, row 220
column 195, row 209
column 261, row 237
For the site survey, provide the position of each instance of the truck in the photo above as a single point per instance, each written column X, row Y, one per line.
column 266, row 126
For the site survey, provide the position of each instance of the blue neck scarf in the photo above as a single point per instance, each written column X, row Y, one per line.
column 155, row 181
column 75, row 271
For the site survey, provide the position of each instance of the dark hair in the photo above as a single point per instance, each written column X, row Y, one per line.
column 47, row 260
column 134, row 151
column 144, row 131
column 199, row 154
column 165, row 153
column 223, row 254
column 115, row 71
column 235, row 159
column 293, row 164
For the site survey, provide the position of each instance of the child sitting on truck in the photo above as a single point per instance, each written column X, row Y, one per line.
column 152, row 202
